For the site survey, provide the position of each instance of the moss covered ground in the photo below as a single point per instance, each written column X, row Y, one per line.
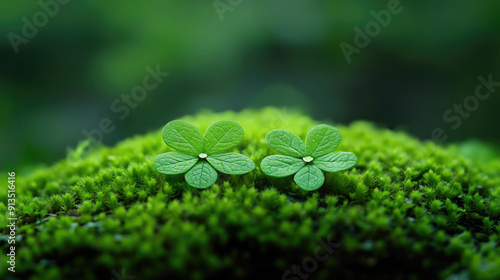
column 408, row 210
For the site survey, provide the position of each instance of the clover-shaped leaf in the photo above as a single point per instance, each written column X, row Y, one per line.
column 201, row 156
column 336, row 161
column 201, row 176
column 309, row 178
column 184, row 137
column 222, row 136
column 306, row 160
column 175, row 163
column 286, row 142
column 231, row 163
column 281, row 166
column 321, row 140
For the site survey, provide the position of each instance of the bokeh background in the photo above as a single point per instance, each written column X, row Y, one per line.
column 255, row 54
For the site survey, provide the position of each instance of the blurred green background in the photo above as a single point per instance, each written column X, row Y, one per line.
column 259, row 53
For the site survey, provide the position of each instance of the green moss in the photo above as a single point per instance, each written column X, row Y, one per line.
column 407, row 210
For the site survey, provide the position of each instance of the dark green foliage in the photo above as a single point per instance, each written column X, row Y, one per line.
column 407, row 210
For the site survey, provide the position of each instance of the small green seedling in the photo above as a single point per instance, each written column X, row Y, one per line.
column 200, row 155
column 306, row 160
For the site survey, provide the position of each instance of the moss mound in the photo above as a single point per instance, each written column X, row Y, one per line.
column 408, row 210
